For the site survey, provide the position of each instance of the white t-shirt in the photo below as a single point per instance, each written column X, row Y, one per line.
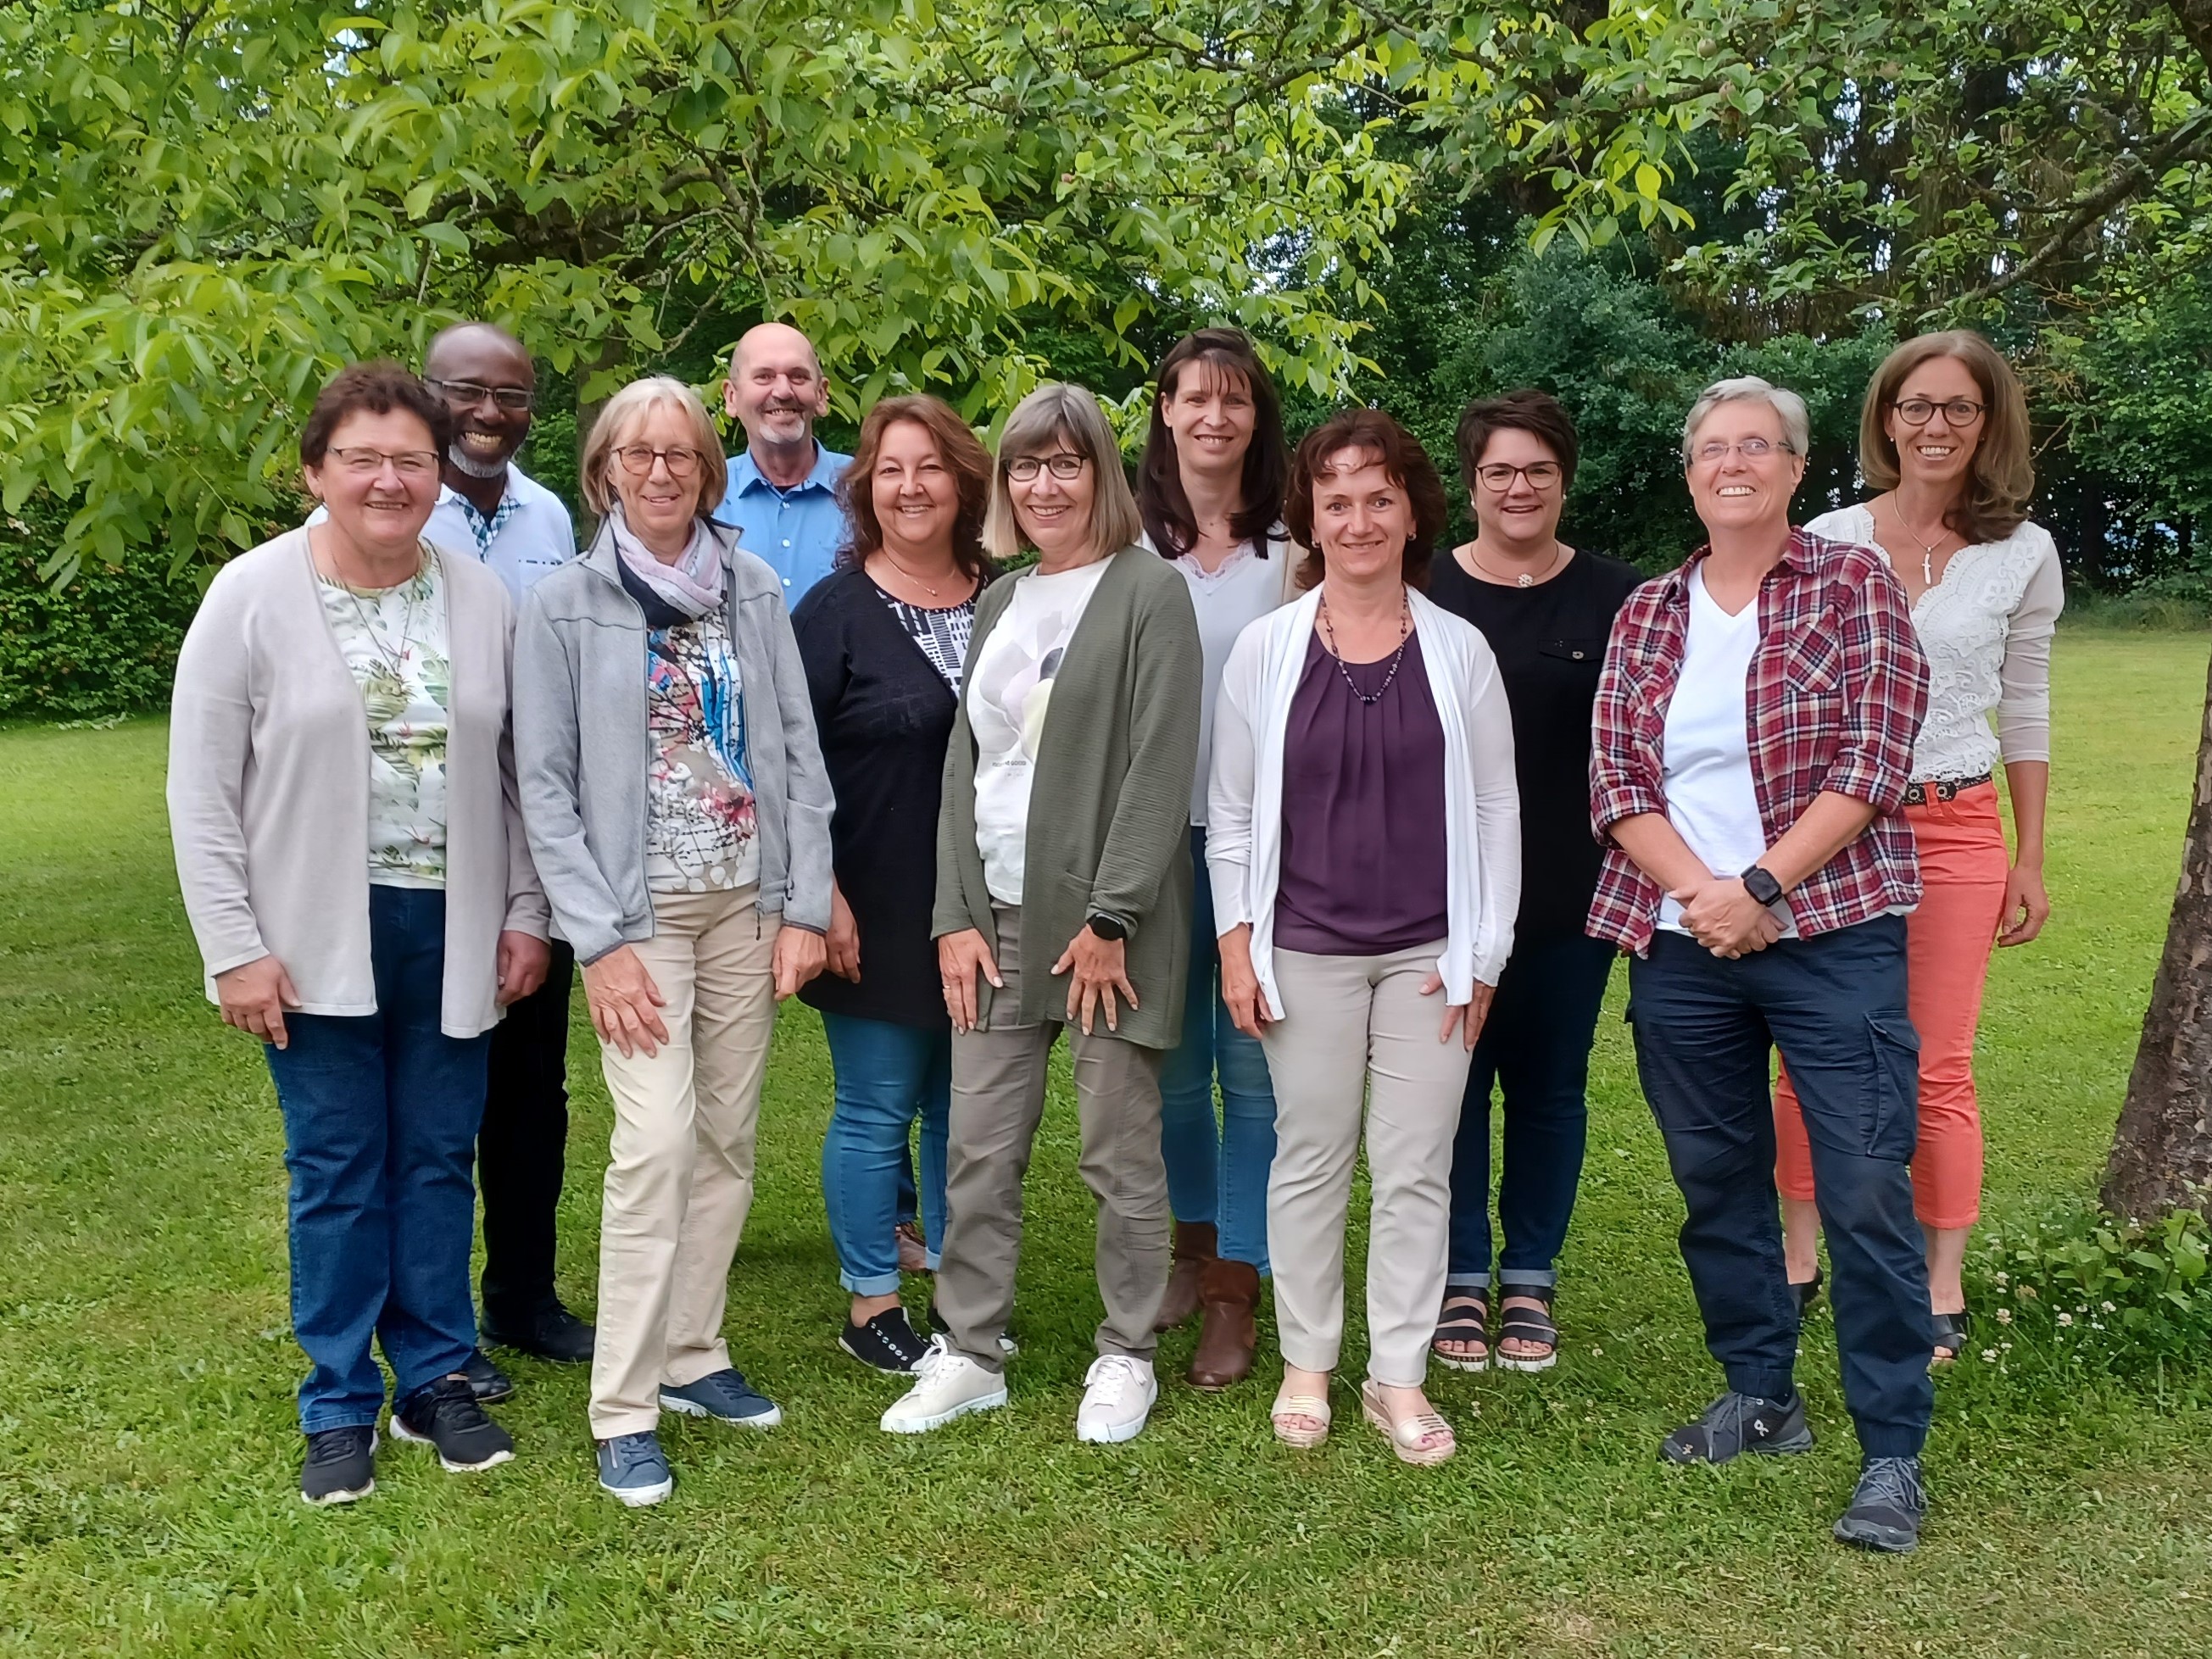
column 1706, row 753
column 1239, row 591
column 1008, row 692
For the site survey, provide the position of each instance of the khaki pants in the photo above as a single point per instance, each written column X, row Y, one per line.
column 1355, row 1026
column 680, row 1177
column 998, row 1100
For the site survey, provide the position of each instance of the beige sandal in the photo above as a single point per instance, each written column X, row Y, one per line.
column 1290, row 1408
column 1421, row 1441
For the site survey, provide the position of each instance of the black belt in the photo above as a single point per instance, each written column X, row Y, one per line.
column 1942, row 789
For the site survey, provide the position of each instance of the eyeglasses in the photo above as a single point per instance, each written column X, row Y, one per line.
column 1918, row 411
column 1022, row 468
column 1752, row 449
column 1498, row 477
column 412, row 464
column 467, row 394
column 637, row 460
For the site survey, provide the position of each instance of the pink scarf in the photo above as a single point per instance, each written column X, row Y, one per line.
column 693, row 585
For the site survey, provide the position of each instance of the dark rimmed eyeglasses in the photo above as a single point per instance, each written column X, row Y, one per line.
column 467, row 394
column 1063, row 465
column 1498, row 478
column 637, row 460
column 1918, row 411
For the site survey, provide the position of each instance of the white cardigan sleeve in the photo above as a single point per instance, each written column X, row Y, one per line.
column 1230, row 790
column 1497, row 815
column 2024, row 678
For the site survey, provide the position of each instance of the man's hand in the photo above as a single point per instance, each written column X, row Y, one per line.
column 1724, row 918
column 798, row 958
column 624, row 1002
column 254, row 997
column 1101, row 968
column 523, row 960
column 960, row 957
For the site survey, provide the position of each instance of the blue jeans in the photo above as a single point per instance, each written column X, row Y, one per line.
column 380, row 1118
column 1834, row 1005
column 1217, row 1173
column 887, row 1076
column 1536, row 1046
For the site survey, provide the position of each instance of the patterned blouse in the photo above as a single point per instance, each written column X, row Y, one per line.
column 394, row 640
column 700, row 831
column 1838, row 689
column 941, row 634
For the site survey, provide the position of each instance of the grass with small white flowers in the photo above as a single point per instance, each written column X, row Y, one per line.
column 148, row 1453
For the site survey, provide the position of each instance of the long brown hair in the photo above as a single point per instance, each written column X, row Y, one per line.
column 1160, row 497
column 1373, row 436
column 964, row 457
column 1994, row 501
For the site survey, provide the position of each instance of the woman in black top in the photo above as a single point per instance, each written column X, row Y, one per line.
column 884, row 640
column 1546, row 609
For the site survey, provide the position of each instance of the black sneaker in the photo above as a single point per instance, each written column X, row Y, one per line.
column 1887, row 1508
column 1738, row 1423
column 486, row 1381
column 551, row 1333
column 446, row 1415
column 341, row 1466
column 885, row 1343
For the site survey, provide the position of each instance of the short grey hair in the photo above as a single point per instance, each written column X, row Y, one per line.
column 1055, row 413
column 1788, row 406
column 619, row 420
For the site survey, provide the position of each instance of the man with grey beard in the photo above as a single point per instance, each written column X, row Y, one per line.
column 491, row 511
column 782, row 493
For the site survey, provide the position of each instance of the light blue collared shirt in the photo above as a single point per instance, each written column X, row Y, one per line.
column 799, row 529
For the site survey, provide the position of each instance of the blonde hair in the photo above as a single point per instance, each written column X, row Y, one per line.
column 2000, row 479
column 1053, row 415
column 624, row 413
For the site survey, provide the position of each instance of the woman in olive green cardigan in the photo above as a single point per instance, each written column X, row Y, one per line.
column 1063, row 898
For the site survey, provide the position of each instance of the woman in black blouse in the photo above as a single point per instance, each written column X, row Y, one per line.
column 1546, row 609
column 884, row 640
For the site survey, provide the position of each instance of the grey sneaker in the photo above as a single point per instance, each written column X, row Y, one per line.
column 634, row 1469
column 1737, row 1423
column 724, row 1395
column 1887, row 1508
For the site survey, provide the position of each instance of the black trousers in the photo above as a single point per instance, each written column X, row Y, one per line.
column 1705, row 1033
column 522, row 1148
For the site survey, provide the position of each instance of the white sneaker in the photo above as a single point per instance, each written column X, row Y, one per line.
column 1117, row 1397
column 947, row 1384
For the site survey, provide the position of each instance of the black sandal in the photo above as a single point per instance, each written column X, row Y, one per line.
column 1527, row 1325
column 1807, row 1293
column 1952, row 1330
column 1470, row 1324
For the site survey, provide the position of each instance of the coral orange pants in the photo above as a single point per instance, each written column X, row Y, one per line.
column 1963, row 865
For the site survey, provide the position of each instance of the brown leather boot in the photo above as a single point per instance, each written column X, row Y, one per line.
column 1194, row 1244
column 1229, row 1292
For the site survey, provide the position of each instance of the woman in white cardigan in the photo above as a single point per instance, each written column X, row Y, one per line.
column 1364, row 845
column 341, row 799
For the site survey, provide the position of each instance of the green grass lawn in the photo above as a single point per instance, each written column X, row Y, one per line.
column 149, row 1452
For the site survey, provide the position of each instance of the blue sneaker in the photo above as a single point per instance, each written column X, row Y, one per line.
column 634, row 1468
column 724, row 1395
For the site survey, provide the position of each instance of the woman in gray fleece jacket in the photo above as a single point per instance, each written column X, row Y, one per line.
column 679, row 811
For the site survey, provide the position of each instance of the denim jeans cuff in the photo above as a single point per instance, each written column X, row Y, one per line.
column 1467, row 1281
column 1779, row 1383
column 931, row 1260
column 341, row 1419
column 1891, row 1440
column 871, row 1284
column 1508, row 1277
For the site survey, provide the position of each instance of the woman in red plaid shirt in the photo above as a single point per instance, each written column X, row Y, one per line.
column 1753, row 740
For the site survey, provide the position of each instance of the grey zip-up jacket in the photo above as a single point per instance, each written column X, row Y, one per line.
column 582, row 749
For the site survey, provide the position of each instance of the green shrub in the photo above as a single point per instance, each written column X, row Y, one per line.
column 106, row 644
column 2082, row 1293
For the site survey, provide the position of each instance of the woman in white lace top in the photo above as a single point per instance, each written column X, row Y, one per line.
column 1944, row 437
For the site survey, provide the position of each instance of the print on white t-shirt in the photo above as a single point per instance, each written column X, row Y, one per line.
column 1008, row 695
column 1706, row 755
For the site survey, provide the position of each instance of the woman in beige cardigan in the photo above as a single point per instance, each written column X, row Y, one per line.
column 343, row 799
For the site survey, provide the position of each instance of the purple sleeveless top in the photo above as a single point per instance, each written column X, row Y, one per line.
column 1363, row 867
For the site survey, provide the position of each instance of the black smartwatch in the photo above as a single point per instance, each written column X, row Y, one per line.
column 1761, row 886
column 1108, row 927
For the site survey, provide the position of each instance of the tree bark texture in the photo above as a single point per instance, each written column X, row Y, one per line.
column 2162, row 1150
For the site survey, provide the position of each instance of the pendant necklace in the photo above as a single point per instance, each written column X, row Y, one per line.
column 1527, row 577
column 394, row 661
column 1405, row 633
column 891, row 559
column 1927, row 548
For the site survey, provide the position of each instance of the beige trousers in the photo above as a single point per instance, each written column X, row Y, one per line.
column 1357, row 1026
column 998, row 1101
column 680, row 1177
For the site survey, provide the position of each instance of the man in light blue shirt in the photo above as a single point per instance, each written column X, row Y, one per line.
column 783, row 484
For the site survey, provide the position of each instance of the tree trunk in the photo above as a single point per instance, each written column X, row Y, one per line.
column 2162, row 1150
